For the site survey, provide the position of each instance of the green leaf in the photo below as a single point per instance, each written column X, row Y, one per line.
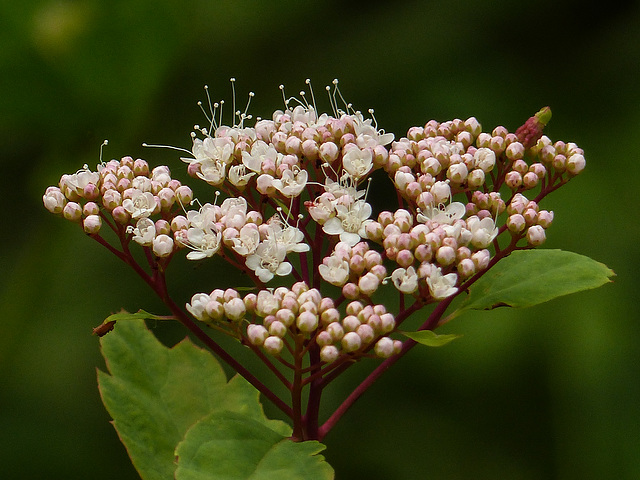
column 429, row 338
column 229, row 446
column 530, row 277
column 139, row 315
column 155, row 394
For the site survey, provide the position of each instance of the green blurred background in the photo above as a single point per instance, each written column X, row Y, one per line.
column 547, row 393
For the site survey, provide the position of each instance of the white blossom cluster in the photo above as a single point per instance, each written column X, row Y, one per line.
column 295, row 205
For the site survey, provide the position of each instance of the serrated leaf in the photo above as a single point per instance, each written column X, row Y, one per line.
column 529, row 277
column 229, row 446
column 430, row 338
column 155, row 394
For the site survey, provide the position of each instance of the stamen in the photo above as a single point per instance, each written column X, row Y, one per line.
column 104, row 144
column 170, row 146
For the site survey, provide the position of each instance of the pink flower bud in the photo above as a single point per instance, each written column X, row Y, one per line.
column 445, row 256
column 336, row 331
column 513, row 179
column 92, row 224
column 324, row 338
column 257, row 334
column 329, row 353
column 350, row 323
column 278, row 329
column 366, row 333
column 466, row 268
column 73, row 211
column 481, row 259
column 368, row 284
column 575, row 164
column 536, row 235
column 214, row 310
column 515, row 151
column 516, row 223
column 162, row 245
column 559, row 162
column 273, row 345
column 520, row 166
column 307, row 321
column 384, row 347
column 328, row 152
column 351, row 342
column 545, row 218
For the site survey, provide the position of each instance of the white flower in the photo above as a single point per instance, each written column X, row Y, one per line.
column 441, row 214
column 269, row 260
column 358, row 163
column 367, row 135
column 334, row 270
column 211, row 149
column 238, row 175
column 321, row 208
column 260, row 151
column 79, row 180
column 405, row 280
column 54, row 200
column 145, row 231
column 289, row 236
column 247, row 242
column 441, row 286
column 482, row 231
column 292, row 182
column 204, row 218
column 204, row 243
column 141, row 204
column 212, row 171
column 350, row 222
column 198, row 306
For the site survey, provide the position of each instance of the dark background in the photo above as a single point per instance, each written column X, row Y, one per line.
column 547, row 393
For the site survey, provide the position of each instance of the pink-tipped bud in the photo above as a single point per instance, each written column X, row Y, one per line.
column 273, row 345
column 545, row 218
column 92, row 224
column 575, row 164
column 513, row 179
column 329, row 353
column 536, row 235
column 516, row 223
column 257, row 334
column 307, row 321
column 366, row 333
column 384, row 347
column 277, row 329
column 351, row 342
column 162, row 246
column 73, row 211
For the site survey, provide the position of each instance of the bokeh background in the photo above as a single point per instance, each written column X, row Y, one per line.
column 547, row 393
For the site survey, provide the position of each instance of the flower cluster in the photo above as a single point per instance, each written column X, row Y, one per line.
column 285, row 314
column 295, row 206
